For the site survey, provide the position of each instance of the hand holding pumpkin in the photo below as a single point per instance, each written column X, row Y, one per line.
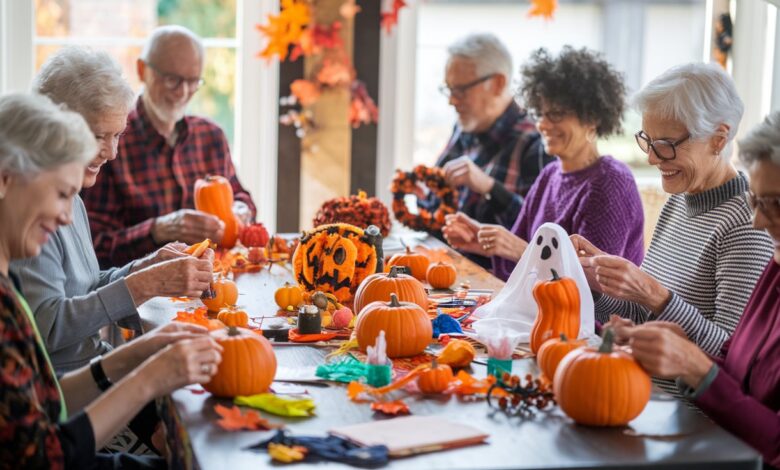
column 498, row 241
column 622, row 279
column 187, row 225
column 180, row 277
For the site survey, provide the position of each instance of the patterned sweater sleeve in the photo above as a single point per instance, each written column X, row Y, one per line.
column 605, row 306
column 740, row 259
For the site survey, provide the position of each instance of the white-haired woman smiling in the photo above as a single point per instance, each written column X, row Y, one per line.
column 46, row 422
column 704, row 257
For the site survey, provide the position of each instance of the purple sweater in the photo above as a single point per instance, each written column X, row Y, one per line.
column 600, row 202
column 744, row 398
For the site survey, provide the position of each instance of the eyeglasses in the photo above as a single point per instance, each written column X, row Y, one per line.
column 554, row 115
column 664, row 149
column 769, row 205
column 172, row 81
column 459, row 91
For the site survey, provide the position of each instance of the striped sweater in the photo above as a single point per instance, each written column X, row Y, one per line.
column 706, row 252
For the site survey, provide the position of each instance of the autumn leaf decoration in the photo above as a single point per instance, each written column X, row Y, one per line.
column 285, row 28
column 545, row 8
column 390, row 16
column 232, row 419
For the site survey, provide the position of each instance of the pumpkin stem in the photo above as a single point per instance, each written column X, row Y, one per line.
column 233, row 331
column 394, row 301
column 556, row 277
column 607, row 341
column 408, row 250
column 564, row 338
column 434, row 363
column 395, row 271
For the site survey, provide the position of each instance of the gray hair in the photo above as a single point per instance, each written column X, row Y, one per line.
column 37, row 135
column 162, row 34
column 701, row 96
column 487, row 52
column 762, row 142
column 87, row 81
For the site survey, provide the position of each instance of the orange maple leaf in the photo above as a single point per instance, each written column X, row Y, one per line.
column 393, row 408
column 233, row 420
column 354, row 389
column 544, row 8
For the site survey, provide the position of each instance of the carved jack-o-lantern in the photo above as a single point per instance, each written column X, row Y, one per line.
column 334, row 258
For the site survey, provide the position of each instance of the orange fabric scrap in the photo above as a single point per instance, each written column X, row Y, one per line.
column 286, row 454
column 393, row 408
column 231, row 419
column 199, row 317
column 296, row 337
column 466, row 384
column 180, row 299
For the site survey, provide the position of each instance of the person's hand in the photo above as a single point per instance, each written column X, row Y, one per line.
column 619, row 326
column 462, row 171
column 460, row 231
column 187, row 225
column 170, row 251
column 242, row 211
column 622, row 279
column 128, row 356
column 180, row 277
column 496, row 240
column 665, row 354
column 585, row 250
column 183, row 363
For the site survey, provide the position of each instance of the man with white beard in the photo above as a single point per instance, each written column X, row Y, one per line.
column 144, row 199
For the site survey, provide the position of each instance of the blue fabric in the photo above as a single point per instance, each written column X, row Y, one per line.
column 443, row 324
column 332, row 449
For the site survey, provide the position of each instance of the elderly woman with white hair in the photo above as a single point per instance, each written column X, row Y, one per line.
column 704, row 257
column 72, row 299
column 46, row 421
column 739, row 388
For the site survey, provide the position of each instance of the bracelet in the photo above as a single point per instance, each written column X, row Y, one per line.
column 98, row 374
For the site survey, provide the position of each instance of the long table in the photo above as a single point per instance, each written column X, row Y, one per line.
column 668, row 434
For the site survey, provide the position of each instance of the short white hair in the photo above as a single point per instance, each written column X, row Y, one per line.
column 762, row 142
column 87, row 81
column 161, row 35
column 37, row 135
column 487, row 52
column 701, row 96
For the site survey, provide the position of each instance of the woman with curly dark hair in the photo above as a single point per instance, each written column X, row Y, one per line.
column 576, row 97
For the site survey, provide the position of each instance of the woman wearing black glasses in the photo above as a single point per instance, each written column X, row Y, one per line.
column 705, row 257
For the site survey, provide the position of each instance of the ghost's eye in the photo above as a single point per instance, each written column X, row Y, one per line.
column 539, row 240
column 555, row 243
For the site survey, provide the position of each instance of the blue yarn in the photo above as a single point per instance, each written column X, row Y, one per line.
column 444, row 324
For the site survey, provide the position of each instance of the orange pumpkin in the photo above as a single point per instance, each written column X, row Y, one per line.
column 214, row 195
column 225, row 294
column 253, row 235
column 379, row 286
column 436, row 379
column 288, row 297
column 601, row 387
column 457, row 353
column 248, row 363
column 553, row 351
column 559, row 310
column 441, row 275
column 417, row 262
column 232, row 316
column 408, row 329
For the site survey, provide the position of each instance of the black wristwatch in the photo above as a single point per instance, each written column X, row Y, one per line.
column 98, row 374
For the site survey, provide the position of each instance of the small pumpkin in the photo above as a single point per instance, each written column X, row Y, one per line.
column 436, row 379
column 248, row 363
column 553, row 351
column 441, row 275
column 601, row 387
column 214, row 195
column 255, row 254
column 342, row 318
column 457, row 353
column 417, row 262
column 379, row 286
column 197, row 249
column 288, row 297
column 408, row 329
column 225, row 293
column 559, row 310
column 254, row 235
column 233, row 316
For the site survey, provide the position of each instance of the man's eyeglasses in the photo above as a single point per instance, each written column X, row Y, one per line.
column 172, row 81
column 554, row 115
column 664, row 149
column 459, row 91
column 768, row 205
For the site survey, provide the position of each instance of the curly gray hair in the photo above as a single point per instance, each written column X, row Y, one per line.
column 762, row 142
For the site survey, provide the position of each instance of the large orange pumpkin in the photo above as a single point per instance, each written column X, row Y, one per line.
column 553, row 351
column 214, row 195
column 417, row 262
column 408, row 329
column 379, row 286
column 248, row 363
column 225, row 294
column 441, row 275
column 601, row 387
column 559, row 310
column 436, row 379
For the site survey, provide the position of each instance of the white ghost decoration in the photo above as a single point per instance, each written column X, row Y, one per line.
column 515, row 308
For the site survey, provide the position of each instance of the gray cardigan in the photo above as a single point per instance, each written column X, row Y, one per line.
column 71, row 298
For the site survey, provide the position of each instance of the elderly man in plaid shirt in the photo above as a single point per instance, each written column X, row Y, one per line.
column 495, row 152
column 145, row 198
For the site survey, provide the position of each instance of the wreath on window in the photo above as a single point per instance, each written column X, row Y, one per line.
column 427, row 219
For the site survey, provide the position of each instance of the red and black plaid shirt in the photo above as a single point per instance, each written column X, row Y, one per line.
column 149, row 179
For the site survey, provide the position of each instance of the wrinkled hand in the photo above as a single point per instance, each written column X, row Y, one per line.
column 181, row 277
column 460, row 231
column 462, row 171
column 663, row 353
column 496, row 240
column 619, row 326
column 150, row 343
column 170, row 251
column 622, row 279
column 183, row 363
column 584, row 250
column 189, row 226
